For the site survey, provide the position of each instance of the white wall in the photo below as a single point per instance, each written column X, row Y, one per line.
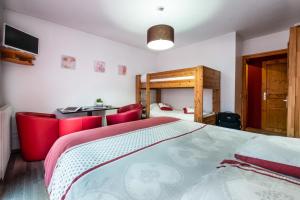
column 271, row 42
column 218, row 53
column 46, row 86
column 238, row 74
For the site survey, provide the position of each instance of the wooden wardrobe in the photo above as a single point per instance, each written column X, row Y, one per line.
column 293, row 124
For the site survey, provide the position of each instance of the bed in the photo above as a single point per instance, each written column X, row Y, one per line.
column 198, row 78
column 160, row 158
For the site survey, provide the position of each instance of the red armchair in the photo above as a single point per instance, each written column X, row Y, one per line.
column 38, row 131
column 130, row 107
column 128, row 116
column 75, row 124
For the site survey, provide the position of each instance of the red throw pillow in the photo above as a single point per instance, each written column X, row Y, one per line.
column 278, row 154
column 188, row 110
column 165, row 107
column 289, row 170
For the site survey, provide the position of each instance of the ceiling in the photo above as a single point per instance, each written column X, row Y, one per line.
column 127, row 21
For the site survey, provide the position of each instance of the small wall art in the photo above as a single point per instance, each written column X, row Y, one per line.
column 99, row 66
column 122, row 69
column 68, row 62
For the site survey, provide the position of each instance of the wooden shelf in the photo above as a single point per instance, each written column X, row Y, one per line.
column 17, row 57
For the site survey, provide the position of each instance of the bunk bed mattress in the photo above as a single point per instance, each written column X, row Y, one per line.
column 144, row 78
column 171, row 160
column 155, row 111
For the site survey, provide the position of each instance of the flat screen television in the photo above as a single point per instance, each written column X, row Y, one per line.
column 19, row 40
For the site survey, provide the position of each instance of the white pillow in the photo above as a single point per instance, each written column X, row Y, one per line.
column 154, row 106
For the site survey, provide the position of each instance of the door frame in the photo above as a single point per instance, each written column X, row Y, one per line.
column 244, row 92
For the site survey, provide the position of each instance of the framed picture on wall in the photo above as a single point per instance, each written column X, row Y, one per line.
column 68, row 62
column 122, row 69
column 99, row 66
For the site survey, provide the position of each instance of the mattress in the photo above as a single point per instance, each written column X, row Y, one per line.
column 143, row 78
column 158, row 158
column 155, row 111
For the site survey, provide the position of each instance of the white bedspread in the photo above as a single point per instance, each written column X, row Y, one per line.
column 161, row 162
column 240, row 182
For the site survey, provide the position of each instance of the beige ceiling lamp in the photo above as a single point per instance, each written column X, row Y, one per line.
column 160, row 37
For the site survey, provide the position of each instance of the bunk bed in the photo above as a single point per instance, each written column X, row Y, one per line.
column 198, row 78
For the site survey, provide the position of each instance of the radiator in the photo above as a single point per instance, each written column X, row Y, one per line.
column 5, row 121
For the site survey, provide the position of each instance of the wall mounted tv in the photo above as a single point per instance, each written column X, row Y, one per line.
column 19, row 40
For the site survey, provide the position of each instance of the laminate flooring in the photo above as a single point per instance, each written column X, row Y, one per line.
column 23, row 180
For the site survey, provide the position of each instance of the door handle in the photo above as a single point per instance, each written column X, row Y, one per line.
column 264, row 96
column 286, row 102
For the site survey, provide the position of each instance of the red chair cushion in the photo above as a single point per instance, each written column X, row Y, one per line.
column 130, row 107
column 128, row 116
column 46, row 115
column 75, row 124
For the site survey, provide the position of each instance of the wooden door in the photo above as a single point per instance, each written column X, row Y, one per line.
column 274, row 94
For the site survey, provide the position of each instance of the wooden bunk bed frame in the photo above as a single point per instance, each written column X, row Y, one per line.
column 204, row 78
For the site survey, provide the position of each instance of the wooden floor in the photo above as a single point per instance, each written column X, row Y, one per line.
column 255, row 130
column 23, row 180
